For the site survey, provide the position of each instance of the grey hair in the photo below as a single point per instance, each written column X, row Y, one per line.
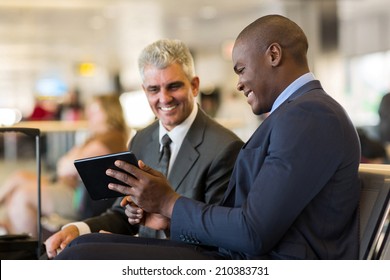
column 165, row 52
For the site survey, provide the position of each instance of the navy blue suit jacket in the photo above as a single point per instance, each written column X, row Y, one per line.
column 294, row 189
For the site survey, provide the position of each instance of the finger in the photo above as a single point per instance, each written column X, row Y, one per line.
column 133, row 221
column 134, row 207
column 148, row 169
column 62, row 246
column 125, row 201
column 129, row 168
column 124, row 177
column 67, row 240
column 52, row 245
column 125, row 190
column 134, row 213
column 135, row 171
column 51, row 254
column 143, row 166
column 130, row 209
column 130, row 214
column 133, row 218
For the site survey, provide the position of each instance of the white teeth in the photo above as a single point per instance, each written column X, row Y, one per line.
column 250, row 93
column 167, row 108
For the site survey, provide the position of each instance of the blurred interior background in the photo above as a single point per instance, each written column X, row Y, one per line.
column 56, row 54
column 50, row 49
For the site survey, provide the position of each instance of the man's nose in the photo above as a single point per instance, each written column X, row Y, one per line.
column 165, row 96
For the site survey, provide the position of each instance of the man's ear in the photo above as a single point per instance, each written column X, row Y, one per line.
column 195, row 86
column 274, row 53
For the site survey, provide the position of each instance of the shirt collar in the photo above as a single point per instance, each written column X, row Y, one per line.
column 178, row 133
column 293, row 87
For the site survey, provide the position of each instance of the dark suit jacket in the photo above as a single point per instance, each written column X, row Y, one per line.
column 201, row 171
column 294, row 189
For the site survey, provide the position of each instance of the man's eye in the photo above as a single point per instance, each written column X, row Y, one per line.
column 152, row 89
column 238, row 70
column 175, row 86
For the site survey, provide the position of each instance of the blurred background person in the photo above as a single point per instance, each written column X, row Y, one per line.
column 384, row 119
column 65, row 195
column 372, row 150
column 71, row 108
column 45, row 109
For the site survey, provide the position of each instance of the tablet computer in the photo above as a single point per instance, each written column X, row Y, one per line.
column 92, row 172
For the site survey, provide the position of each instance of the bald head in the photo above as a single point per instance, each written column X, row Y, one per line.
column 277, row 29
column 268, row 55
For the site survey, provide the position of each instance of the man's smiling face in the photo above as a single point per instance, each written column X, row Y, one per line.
column 170, row 93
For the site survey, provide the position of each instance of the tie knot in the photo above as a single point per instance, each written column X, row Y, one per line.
column 166, row 140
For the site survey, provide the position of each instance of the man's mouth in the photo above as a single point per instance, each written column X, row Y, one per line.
column 248, row 93
column 168, row 108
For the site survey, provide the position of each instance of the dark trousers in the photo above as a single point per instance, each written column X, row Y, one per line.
column 102, row 246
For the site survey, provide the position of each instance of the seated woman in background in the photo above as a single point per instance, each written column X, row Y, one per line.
column 108, row 133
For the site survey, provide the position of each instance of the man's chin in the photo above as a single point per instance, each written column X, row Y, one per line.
column 168, row 124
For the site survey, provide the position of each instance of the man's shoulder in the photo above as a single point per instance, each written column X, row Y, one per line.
column 214, row 129
column 151, row 128
column 145, row 134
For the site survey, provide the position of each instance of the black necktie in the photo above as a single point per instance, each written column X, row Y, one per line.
column 165, row 154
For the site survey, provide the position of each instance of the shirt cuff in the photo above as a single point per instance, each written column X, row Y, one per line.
column 81, row 226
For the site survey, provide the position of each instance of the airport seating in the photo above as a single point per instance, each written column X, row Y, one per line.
column 374, row 211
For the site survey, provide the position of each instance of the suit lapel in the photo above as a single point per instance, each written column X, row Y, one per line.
column 188, row 155
column 153, row 150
